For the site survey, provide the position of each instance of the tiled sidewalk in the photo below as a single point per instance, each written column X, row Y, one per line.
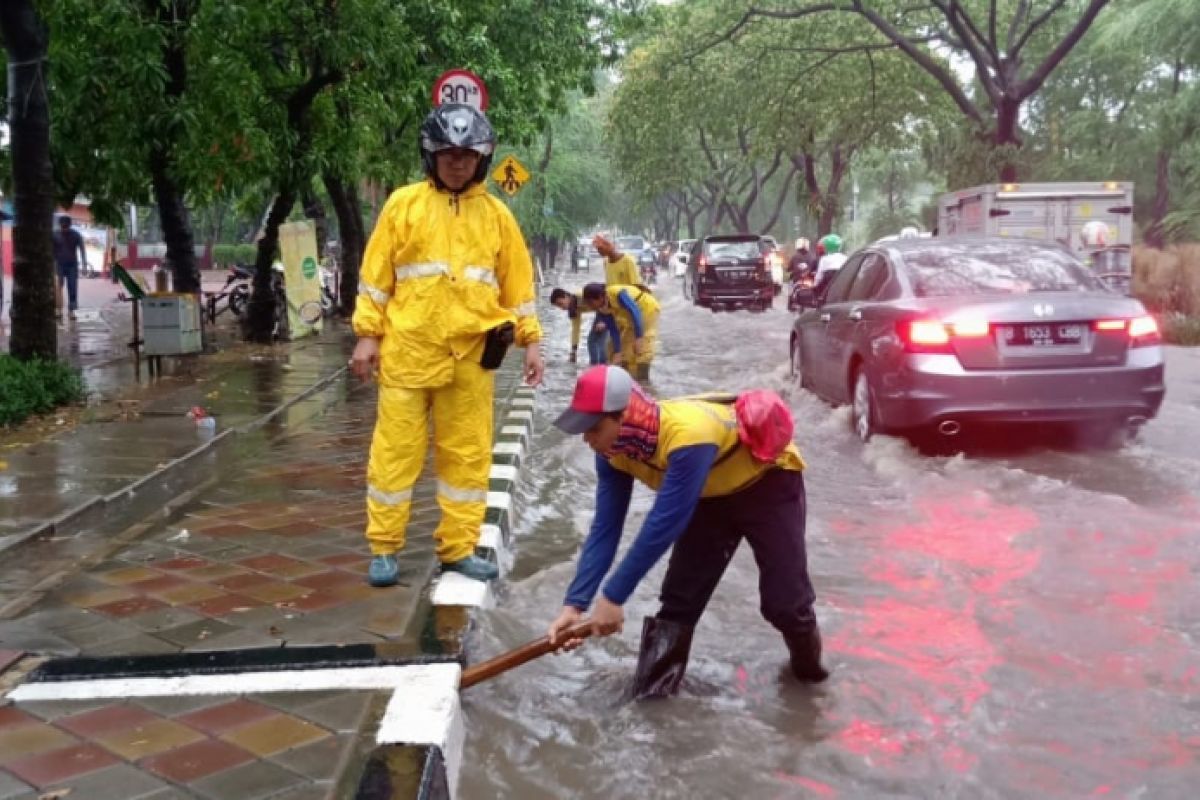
column 291, row 746
column 273, row 555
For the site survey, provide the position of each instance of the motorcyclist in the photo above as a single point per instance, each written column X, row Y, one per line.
column 830, row 263
column 801, row 263
column 446, row 284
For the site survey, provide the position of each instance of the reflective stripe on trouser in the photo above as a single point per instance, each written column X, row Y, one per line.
column 461, row 413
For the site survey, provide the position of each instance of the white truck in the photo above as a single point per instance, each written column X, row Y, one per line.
column 1093, row 219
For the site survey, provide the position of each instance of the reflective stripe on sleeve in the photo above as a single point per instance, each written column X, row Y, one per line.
column 410, row 271
column 378, row 295
column 461, row 495
column 389, row 498
column 483, row 275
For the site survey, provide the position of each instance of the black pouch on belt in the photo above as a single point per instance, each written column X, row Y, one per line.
column 496, row 345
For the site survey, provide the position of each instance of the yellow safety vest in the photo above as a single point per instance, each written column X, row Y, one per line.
column 621, row 272
column 685, row 423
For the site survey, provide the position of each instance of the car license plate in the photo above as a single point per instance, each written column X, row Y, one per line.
column 1045, row 335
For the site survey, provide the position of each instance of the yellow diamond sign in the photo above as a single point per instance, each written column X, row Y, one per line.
column 510, row 175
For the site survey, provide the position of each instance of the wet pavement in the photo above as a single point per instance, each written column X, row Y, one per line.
column 82, row 479
column 264, row 549
column 1013, row 621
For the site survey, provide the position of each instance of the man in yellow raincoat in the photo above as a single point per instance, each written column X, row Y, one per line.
column 631, row 315
column 446, row 285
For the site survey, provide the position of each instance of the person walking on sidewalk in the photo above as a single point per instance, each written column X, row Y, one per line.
column 68, row 243
column 631, row 315
column 572, row 303
column 446, row 285
column 712, row 491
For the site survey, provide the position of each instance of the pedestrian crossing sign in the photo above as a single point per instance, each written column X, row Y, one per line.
column 510, row 175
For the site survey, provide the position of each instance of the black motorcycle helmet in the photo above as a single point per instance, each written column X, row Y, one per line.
column 457, row 125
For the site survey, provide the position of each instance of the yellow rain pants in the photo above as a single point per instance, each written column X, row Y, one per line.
column 461, row 413
column 637, row 364
column 439, row 272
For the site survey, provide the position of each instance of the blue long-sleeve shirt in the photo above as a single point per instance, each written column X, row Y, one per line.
column 639, row 324
column 687, row 471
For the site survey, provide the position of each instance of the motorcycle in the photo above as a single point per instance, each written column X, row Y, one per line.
column 648, row 265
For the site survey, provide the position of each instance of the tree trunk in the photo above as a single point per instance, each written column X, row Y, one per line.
column 1156, row 235
column 260, row 321
column 25, row 37
column 293, row 177
column 315, row 210
column 1008, row 117
column 344, row 197
column 176, row 224
column 174, row 18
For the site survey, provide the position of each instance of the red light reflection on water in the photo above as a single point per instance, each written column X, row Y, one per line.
column 816, row 787
column 959, row 553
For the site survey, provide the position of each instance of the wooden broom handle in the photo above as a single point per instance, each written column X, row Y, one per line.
column 520, row 655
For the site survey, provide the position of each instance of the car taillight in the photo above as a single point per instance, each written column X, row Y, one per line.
column 1142, row 331
column 934, row 336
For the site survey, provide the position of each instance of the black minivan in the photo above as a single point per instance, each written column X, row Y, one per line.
column 729, row 272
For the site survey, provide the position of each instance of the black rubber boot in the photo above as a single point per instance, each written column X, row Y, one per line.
column 806, row 656
column 662, row 659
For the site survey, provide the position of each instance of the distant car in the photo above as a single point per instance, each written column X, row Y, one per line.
column 679, row 257
column 729, row 272
column 941, row 334
column 633, row 245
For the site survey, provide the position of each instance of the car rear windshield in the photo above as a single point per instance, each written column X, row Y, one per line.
column 995, row 268
column 741, row 249
column 628, row 244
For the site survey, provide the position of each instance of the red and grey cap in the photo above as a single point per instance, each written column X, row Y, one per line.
column 600, row 390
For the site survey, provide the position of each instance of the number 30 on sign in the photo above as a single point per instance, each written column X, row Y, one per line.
column 460, row 86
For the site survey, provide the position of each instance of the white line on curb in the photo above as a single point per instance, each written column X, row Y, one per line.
column 503, row 472
column 301, row 680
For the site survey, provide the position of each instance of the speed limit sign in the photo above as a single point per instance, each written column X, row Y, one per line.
column 460, row 86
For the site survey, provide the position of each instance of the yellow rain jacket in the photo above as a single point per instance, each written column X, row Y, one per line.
column 622, row 272
column 649, row 308
column 684, row 423
column 439, row 272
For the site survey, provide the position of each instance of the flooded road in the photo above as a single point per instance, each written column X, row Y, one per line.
column 1017, row 621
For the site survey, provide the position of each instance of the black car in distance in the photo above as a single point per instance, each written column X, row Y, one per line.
column 725, row 273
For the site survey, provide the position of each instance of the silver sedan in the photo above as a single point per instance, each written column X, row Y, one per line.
column 939, row 334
